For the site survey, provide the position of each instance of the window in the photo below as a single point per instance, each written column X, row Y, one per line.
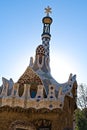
column 33, row 94
column 21, row 129
column 44, row 128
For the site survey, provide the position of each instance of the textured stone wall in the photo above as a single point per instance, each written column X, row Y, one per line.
column 57, row 119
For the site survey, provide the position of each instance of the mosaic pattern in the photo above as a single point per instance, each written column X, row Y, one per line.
column 29, row 77
column 40, row 50
column 45, row 43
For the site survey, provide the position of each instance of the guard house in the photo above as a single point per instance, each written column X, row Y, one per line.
column 37, row 101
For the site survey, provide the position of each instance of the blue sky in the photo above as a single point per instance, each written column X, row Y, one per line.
column 20, row 34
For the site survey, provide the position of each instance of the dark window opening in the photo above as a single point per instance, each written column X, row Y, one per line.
column 33, row 94
column 44, row 128
column 40, row 59
column 21, row 129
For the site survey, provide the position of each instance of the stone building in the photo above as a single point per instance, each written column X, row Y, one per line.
column 37, row 101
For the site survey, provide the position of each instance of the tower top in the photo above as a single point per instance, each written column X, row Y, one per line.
column 48, row 10
column 47, row 20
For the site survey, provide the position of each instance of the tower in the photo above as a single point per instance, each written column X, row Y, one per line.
column 46, row 35
column 37, row 101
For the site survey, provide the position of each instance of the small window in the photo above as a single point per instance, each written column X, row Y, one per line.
column 21, row 129
column 40, row 59
column 44, row 128
column 33, row 94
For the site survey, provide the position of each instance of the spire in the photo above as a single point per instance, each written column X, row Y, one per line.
column 42, row 58
column 47, row 20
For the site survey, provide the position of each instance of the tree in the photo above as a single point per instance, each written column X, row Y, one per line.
column 82, row 96
column 81, row 112
column 81, row 120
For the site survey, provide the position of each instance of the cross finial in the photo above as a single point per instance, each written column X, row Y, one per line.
column 48, row 10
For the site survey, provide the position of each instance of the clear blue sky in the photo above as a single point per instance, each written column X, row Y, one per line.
column 20, row 34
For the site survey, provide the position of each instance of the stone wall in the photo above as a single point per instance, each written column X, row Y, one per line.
column 57, row 119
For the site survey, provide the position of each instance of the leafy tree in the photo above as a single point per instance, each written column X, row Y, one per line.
column 81, row 112
column 82, row 96
column 81, row 120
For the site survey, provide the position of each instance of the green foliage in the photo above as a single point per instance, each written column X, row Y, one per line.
column 81, row 119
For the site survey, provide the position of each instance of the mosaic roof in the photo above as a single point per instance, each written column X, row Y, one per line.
column 29, row 77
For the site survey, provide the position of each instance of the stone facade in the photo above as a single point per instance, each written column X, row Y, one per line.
column 37, row 101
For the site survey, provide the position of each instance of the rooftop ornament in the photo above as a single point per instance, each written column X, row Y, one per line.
column 48, row 10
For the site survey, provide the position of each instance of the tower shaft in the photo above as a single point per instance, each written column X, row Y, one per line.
column 47, row 20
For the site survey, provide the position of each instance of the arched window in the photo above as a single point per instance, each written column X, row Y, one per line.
column 43, row 124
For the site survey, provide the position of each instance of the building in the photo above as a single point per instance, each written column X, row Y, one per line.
column 37, row 101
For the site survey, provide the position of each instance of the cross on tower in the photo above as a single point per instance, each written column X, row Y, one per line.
column 48, row 10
